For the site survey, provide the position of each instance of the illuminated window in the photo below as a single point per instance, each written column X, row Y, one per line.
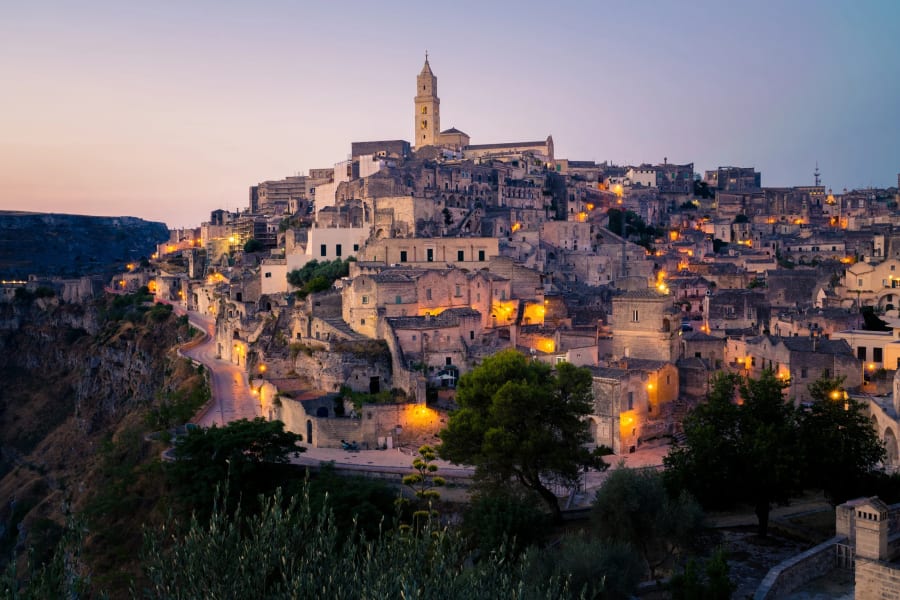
column 424, row 124
column 424, row 110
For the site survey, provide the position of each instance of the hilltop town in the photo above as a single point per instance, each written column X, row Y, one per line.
column 355, row 296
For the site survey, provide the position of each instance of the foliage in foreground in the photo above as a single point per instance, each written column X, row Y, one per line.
column 633, row 507
column 288, row 551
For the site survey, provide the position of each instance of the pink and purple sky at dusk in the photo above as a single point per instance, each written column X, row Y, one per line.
column 167, row 110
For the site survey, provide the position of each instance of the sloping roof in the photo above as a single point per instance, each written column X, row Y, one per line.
column 455, row 130
column 447, row 318
column 505, row 145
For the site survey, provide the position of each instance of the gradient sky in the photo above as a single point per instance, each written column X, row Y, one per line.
column 167, row 110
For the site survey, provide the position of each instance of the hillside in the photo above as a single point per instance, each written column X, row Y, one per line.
column 72, row 245
column 79, row 381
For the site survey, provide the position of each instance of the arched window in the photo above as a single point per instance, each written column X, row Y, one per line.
column 424, row 110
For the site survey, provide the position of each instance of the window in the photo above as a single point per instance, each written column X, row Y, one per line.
column 458, row 291
column 630, row 400
column 449, row 361
column 338, row 249
column 481, row 256
column 859, row 282
column 429, row 254
column 355, row 247
column 471, row 335
column 268, row 275
column 478, row 297
column 399, row 300
column 424, row 110
column 877, row 355
column 362, row 321
column 752, row 361
column 424, row 123
column 365, row 299
column 323, row 250
column 428, row 294
column 414, row 337
column 803, row 373
column 861, row 353
column 826, row 373
column 460, row 255
column 403, row 256
column 634, row 316
column 667, row 379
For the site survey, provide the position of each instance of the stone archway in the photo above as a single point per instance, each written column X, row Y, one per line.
column 890, row 447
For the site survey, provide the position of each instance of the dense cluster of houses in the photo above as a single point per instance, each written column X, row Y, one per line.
column 651, row 276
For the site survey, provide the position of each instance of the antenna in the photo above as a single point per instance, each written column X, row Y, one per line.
column 816, row 174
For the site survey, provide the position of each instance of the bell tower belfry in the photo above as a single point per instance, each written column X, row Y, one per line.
column 428, row 108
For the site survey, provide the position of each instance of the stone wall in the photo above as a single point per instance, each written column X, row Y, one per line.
column 800, row 569
column 876, row 580
column 377, row 425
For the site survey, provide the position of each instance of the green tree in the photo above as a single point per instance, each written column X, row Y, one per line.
column 740, row 452
column 692, row 585
column 253, row 245
column 517, row 420
column 317, row 276
column 235, row 457
column 595, row 569
column 841, row 448
column 424, row 481
column 633, row 507
column 507, row 518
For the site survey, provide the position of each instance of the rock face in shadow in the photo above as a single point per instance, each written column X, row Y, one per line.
column 72, row 245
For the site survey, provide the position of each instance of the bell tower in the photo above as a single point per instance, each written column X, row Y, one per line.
column 428, row 108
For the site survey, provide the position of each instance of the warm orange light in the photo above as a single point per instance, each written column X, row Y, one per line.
column 650, row 387
column 589, row 206
column 871, row 366
column 673, row 235
column 262, row 368
column 516, row 227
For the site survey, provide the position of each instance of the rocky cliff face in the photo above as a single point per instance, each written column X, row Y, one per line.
column 72, row 245
column 70, row 375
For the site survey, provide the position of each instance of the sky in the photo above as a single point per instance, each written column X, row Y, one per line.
column 167, row 110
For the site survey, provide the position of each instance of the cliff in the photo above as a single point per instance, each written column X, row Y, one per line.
column 76, row 379
column 72, row 245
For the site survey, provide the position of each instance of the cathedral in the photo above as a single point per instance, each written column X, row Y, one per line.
column 427, row 128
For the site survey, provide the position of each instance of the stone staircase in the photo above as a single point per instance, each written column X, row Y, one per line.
column 339, row 324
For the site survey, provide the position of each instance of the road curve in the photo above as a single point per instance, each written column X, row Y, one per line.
column 231, row 396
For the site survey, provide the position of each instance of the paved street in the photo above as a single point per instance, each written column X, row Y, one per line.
column 231, row 396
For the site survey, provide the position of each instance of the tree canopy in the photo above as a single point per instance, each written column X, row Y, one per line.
column 518, row 420
column 745, row 452
column 633, row 507
column 236, row 456
column 755, row 447
column 317, row 276
column 840, row 446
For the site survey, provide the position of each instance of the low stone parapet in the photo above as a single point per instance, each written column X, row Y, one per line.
column 798, row 570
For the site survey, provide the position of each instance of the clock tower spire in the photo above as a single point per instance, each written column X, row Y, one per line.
column 428, row 108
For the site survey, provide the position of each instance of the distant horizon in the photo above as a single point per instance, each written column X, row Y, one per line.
column 167, row 115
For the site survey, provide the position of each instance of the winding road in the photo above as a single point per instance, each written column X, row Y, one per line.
column 231, row 396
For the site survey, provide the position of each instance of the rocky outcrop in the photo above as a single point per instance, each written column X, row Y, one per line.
column 72, row 245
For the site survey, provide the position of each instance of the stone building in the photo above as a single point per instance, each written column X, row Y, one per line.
column 632, row 403
column 645, row 324
column 798, row 360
